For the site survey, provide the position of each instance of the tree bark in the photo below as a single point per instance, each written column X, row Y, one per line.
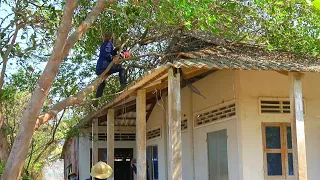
column 62, row 47
column 22, row 142
column 4, row 145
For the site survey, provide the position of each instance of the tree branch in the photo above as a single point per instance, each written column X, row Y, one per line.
column 79, row 97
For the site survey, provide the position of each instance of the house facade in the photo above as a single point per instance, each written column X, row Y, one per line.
column 234, row 124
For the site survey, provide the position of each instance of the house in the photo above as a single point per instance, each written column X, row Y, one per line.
column 220, row 113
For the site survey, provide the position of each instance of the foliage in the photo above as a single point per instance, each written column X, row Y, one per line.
column 46, row 143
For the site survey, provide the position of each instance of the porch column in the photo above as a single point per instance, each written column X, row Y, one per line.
column 174, row 116
column 110, row 140
column 297, row 126
column 190, row 132
column 95, row 130
column 141, row 125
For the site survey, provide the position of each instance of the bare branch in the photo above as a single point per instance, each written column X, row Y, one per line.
column 79, row 97
column 5, row 58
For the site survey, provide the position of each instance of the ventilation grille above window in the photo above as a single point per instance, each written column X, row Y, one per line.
column 276, row 105
column 154, row 133
column 184, row 125
column 220, row 112
column 117, row 137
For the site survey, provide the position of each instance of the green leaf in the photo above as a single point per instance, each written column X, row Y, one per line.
column 316, row 4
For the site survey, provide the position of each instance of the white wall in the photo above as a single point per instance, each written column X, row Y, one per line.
column 84, row 153
column 157, row 119
column 217, row 88
column 201, row 153
column 255, row 84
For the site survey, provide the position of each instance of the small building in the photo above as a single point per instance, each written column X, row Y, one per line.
column 219, row 113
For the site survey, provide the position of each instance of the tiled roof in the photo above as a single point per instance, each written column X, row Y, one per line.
column 246, row 57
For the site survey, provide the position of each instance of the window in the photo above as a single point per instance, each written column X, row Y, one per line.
column 216, row 113
column 184, row 125
column 152, row 162
column 276, row 105
column 154, row 133
column 277, row 147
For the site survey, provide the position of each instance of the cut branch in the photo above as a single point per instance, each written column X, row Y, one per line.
column 81, row 95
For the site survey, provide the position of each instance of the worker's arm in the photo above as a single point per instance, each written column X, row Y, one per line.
column 107, row 51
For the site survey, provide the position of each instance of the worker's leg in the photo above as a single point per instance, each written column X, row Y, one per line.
column 101, row 86
column 123, row 76
column 100, row 89
column 122, row 73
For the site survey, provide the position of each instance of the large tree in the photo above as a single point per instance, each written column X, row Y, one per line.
column 276, row 24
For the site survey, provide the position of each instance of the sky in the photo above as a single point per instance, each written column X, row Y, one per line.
column 54, row 171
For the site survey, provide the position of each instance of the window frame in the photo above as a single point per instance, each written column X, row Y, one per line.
column 284, row 150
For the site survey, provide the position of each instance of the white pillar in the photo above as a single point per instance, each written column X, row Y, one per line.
column 297, row 126
column 190, row 133
column 95, row 147
column 174, row 116
column 110, row 140
column 141, row 125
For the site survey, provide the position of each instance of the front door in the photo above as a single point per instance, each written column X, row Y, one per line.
column 122, row 157
column 218, row 155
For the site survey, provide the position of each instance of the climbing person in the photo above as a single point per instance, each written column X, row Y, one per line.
column 101, row 171
column 106, row 55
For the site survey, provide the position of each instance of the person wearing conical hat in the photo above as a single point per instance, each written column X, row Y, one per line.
column 101, row 171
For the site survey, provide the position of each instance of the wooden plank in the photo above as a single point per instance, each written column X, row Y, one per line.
column 141, row 135
column 190, row 132
column 95, row 131
column 297, row 125
column 174, row 116
column 110, row 140
column 151, row 109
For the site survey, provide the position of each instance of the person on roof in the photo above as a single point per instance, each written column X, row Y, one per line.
column 106, row 55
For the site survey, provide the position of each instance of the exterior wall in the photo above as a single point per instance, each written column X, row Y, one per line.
column 71, row 156
column 84, row 153
column 156, row 119
column 217, row 88
column 244, row 131
column 201, row 153
column 255, row 84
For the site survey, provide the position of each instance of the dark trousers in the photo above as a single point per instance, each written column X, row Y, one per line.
column 114, row 69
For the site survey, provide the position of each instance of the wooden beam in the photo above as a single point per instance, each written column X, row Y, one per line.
column 174, row 116
column 95, row 145
column 297, row 126
column 150, row 109
column 286, row 73
column 110, row 140
column 141, row 135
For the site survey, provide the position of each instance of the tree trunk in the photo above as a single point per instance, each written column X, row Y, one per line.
column 4, row 145
column 62, row 47
column 21, row 144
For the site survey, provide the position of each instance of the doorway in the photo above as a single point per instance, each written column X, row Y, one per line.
column 122, row 158
column 218, row 155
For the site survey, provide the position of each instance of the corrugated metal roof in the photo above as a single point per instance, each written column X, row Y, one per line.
column 246, row 57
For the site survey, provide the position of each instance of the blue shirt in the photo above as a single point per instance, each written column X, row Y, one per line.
column 105, row 55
